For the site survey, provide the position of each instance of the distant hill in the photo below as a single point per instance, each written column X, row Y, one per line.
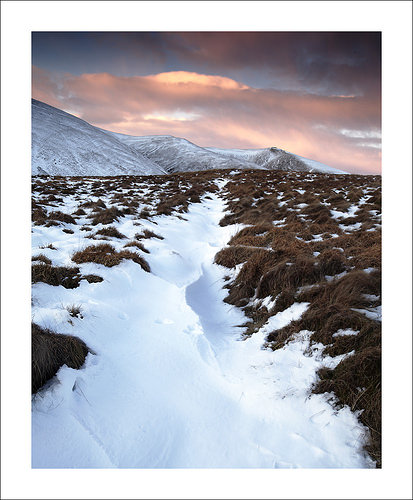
column 63, row 144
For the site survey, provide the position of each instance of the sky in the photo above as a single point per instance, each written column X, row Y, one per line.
column 315, row 94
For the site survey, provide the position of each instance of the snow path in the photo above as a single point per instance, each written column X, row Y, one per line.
column 171, row 384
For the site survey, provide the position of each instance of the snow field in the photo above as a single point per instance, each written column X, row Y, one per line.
column 170, row 384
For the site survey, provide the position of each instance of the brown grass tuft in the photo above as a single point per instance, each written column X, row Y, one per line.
column 111, row 231
column 318, row 213
column 285, row 244
column 61, row 217
column 94, row 205
column 288, row 276
column 356, row 381
column 42, row 258
column 68, row 277
column 284, row 300
column 92, row 278
column 106, row 255
column 79, row 211
column 332, row 262
column 232, row 256
column 106, row 216
column 252, row 233
column 246, row 282
column 147, row 233
column 136, row 244
column 75, row 311
column 50, row 245
column 50, row 351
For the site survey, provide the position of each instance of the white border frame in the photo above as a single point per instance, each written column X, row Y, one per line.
column 18, row 20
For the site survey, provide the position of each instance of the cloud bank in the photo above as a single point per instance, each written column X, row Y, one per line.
column 340, row 130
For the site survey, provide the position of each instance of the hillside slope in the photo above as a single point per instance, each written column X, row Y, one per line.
column 63, row 144
column 175, row 154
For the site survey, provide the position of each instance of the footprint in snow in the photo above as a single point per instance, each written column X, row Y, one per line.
column 165, row 321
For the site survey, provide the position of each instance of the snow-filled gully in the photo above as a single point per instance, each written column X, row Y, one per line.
column 171, row 384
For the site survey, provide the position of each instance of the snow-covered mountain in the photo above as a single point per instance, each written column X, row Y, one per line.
column 277, row 159
column 179, row 155
column 63, row 144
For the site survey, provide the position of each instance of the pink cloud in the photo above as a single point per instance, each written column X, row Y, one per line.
column 212, row 110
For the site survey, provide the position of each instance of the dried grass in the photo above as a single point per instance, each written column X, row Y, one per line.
column 50, row 351
column 68, row 277
column 106, row 255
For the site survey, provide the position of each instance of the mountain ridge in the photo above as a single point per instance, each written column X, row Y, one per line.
column 63, row 144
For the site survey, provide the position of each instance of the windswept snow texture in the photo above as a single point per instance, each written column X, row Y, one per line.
column 171, row 384
column 63, row 144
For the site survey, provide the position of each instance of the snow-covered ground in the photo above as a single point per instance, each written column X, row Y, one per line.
column 170, row 383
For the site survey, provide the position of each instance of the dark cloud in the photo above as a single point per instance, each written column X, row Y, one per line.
column 332, row 63
column 316, row 94
column 317, row 62
column 122, row 54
